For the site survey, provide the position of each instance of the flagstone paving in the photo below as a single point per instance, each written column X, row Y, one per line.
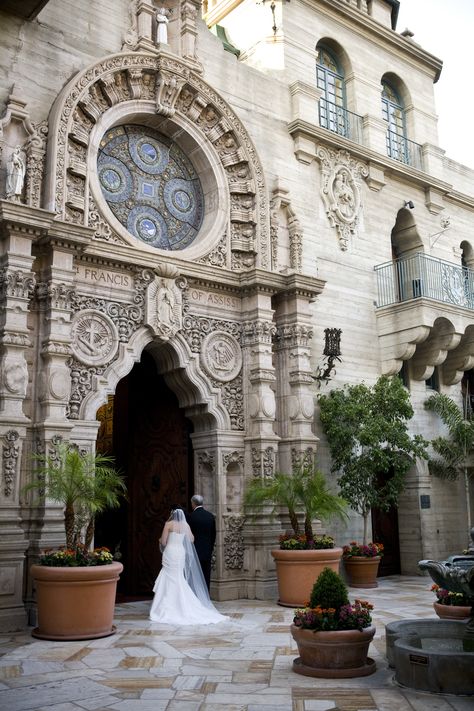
column 244, row 664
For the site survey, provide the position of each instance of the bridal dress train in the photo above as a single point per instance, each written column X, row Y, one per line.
column 175, row 603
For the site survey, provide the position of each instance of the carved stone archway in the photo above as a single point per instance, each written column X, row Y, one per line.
column 165, row 86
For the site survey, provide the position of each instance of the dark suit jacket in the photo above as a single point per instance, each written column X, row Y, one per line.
column 203, row 526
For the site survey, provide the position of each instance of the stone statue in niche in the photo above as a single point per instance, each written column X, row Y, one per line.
column 162, row 26
column 344, row 195
column 16, row 169
column 166, row 305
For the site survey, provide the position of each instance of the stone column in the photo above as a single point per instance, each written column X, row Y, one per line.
column 21, row 226
column 295, row 386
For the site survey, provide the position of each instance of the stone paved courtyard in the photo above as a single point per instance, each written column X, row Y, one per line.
column 242, row 665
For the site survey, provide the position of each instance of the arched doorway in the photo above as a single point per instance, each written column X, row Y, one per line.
column 147, row 433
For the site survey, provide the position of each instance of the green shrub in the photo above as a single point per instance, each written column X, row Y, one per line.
column 329, row 591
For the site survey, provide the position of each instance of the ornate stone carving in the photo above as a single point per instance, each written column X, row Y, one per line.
column 126, row 317
column 233, row 541
column 176, row 87
column 35, row 158
column 206, row 461
column 58, row 295
column 280, row 200
column 94, row 338
column 168, row 86
column 10, row 455
column 218, row 256
column 229, row 458
column 221, row 356
column 340, row 191
column 15, row 377
column 263, row 462
column 164, row 308
column 257, row 332
column 131, row 36
column 18, row 284
column 233, row 400
column 302, row 458
column 196, row 328
column 102, row 229
column 292, row 335
column 81, row 385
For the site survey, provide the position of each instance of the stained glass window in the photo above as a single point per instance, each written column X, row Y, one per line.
column 151, row 186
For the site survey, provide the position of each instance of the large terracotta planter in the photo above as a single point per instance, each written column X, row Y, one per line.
column 333, row 655
column 297, row 571
column 452, row 612
column 362, row 571
column 75, row 603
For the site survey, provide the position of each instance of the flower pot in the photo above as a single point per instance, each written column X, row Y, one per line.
column 333, row 655
column 297, row 571
column 362, row 571
column 452, row 612
column 75, row 602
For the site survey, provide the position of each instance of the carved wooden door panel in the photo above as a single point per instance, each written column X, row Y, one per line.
column 152, row 447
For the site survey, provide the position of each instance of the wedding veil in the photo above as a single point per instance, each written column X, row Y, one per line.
column 192, row 566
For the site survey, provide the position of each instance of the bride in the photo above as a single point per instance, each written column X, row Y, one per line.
column 181, row 595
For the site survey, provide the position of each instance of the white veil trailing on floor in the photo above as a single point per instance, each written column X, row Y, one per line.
column 192, row 567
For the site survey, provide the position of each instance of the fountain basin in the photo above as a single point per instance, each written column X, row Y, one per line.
column 432, row 655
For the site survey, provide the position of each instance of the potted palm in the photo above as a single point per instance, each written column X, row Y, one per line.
column 332, row 634
column 302, row 555
column 372, row 451
column 76, row 586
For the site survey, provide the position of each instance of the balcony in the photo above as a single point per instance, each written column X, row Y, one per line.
column 424, row 276
column 424, row 315
column 341, row 121
column 402, row 149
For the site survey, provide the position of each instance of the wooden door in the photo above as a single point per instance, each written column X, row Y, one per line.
column 385, row 530
column 151, row 444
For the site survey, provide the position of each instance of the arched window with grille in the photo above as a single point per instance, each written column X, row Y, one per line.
column 330, row 79
column 394, row 114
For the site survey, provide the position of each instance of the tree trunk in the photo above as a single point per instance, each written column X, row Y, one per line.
column 294, row 522
column 366, row 526
column 69, row 525
column 89, row 534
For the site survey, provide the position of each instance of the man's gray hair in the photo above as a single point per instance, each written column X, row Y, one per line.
column 197, row 500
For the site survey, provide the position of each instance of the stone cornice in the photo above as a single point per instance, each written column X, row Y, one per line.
column 15, row 216
column 321, row 135
column 365, row 25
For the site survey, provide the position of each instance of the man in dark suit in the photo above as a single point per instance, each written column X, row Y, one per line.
column 203, row 526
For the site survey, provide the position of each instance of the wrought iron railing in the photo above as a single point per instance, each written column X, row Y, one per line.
column 341, row 121
column 404, row 150
column 424, row 276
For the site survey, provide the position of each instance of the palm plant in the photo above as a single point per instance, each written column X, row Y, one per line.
column 454, row 451
column 303, row 490
column 85, row 483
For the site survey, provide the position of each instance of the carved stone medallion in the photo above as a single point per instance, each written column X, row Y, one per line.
column 221, row 356
column 94, row 337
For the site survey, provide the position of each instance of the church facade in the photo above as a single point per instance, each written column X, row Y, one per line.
column 193, row 196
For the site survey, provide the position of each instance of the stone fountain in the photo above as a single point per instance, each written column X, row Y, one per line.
column 437, row 655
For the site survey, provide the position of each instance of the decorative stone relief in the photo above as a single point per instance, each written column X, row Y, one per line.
column 233, row 541
column 263, row 462
column 221, row 356
column 164, row 307
column 10, row 455
column 218, row 256
column 177, row 88
column 206, row 462
column 233, row 400
column 126, row 317
column 58, row 295
column 302, row 458
column 340, row 191
column 94, row 338
column 35, row 149
column 131, row 36
column 280, row 199
column 15, row 378
column 81, row 385
column 196, row 328
column 232, row 458
column 17, row 284
column 102, row 229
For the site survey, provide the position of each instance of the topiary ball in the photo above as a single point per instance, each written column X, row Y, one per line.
column 329, row 590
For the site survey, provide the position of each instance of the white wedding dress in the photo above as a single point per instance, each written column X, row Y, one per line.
column 175, row 603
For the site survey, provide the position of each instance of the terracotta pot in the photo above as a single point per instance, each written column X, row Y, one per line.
column 333, row 655
column 362, row 571
column 297, row 571
column 452, row 612
column 75, row 603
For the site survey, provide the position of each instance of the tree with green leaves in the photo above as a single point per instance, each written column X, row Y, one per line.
column 371, row 449
column 305, row 489
column 454, row 452
column 85, row 483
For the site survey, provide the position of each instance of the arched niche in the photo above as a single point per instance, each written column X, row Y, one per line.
column 405, row 238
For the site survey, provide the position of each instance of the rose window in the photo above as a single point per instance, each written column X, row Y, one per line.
column 150, row 186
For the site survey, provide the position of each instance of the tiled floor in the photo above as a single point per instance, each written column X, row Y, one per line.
column 240, row 665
